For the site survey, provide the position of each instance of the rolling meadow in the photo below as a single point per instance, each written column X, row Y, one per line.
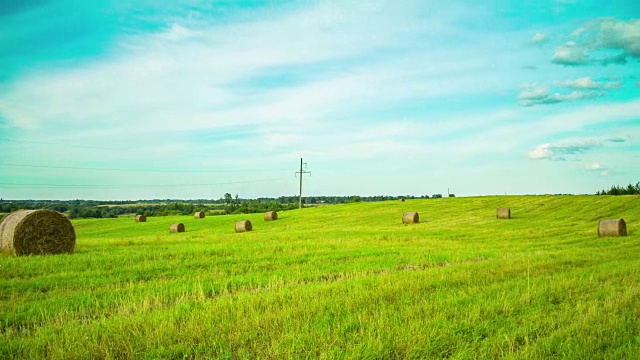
column 338, row 282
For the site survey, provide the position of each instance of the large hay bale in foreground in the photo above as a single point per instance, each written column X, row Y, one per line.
column 410, row 218
column 141, row 218
column 503, row 213
column 244, row 225
column 615, row 227
column 176, row 228
column 270, row 215
column 32, row 232
column 199, row 215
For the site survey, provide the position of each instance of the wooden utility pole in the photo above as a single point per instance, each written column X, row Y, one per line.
column 301, row 172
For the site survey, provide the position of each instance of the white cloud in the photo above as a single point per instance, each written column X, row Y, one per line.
column 602, row 41
column 589, row 84
column 539, row 94
column 542, row 151
column 539, row 39
column 567, row 149
column 570, row 54
column 583, row 88
column 177, row 32
column 610, row 33
column 534, row 91
column 597, row 168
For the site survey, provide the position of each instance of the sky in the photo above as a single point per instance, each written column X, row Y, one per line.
column 126, row 100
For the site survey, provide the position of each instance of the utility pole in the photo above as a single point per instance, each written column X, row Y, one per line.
column 301, row 172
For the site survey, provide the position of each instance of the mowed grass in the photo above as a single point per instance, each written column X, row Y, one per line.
column 334, row 282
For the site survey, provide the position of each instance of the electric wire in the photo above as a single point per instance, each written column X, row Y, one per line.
column 137, row 170
column 123, row 186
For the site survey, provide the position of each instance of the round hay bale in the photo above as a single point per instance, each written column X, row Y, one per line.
column 141, row 218
column 244, row 225
column 503, row 213
column 270, row 215
column 615, row 227
column 32, row 232
column 176, row 228
column 410, row 218
column 199, row 215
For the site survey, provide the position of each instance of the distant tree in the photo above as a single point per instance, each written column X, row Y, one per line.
column 621, row 190
column 73, row 213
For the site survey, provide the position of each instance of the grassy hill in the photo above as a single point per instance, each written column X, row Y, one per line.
column 342, row 281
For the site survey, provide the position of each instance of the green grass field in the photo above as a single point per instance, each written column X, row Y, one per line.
column 334, row 282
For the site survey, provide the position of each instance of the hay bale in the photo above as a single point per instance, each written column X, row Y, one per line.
column 176, row 228
column 141, row 218
column 31, row 232
column 270, row 215
column 410, row 218
column 199, row 215
column 615, row 227
column 244, row 225
column 503, row 213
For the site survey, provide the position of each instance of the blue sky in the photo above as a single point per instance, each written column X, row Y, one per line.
column 136, row 100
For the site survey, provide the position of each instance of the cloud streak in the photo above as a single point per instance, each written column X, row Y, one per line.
column 566, row 150
column 208, row 79
column 540, row 94
column 584, row 88
column 587, row 83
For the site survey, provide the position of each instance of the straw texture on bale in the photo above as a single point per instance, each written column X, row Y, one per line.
column 244, row 225
column 615, row 227
column 141, row 218
column 270, row 215
column 503, row 213
column 410, row 218
column 199, row 215
column 176, row 228
column 32, row 232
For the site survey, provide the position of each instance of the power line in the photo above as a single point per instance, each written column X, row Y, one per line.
column 62, row 144
column 136, row 170
column 123, row 186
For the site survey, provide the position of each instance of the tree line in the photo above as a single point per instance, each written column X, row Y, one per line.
column 621, row 190
column 226, row 204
